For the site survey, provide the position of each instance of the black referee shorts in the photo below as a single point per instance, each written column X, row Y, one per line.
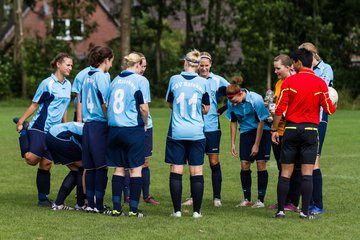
column 300, row 142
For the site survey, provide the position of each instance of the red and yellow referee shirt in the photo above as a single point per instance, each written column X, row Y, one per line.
column 301, row 96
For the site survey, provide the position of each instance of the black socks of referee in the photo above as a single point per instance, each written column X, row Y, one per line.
column 282, row 191
column 306, row 192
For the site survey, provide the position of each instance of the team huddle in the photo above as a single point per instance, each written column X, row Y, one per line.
column 112, row 128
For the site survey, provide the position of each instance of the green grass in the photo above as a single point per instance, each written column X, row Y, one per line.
column 20, row 218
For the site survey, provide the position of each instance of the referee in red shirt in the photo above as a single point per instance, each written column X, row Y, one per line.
column 301, row 96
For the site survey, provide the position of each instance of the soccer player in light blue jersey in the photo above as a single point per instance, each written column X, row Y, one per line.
column 188, row 97
column 145, row 172
column 212, row 125
column 248, row 109
column 128, row 121
column 325, row 72
column 77, row 86
column 50, row 103
column 94, row 95
column 64, row 143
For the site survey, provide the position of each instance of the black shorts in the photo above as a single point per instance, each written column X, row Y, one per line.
column 299, row 141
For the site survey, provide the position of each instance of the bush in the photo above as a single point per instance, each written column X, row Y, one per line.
column 8, row 73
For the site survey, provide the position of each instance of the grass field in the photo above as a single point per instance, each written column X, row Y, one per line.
column 20, row 218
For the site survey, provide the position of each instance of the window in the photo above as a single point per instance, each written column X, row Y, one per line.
column 68, row 29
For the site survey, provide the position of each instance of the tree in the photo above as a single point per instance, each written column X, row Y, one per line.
column 18, row 44
column 125, row 30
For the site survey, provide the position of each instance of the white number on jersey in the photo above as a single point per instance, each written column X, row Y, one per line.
column 89, row 102
column 192, row 101
column 118, row 106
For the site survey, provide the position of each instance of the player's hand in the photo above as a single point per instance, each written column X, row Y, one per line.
column 254, row 150
column 275, row 137
column 233, row 150
column 19, row 126
column 145, row 128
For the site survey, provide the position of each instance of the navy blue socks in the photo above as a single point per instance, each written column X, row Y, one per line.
column 145, row 173
column 135, row 191
column 216, row 178
column 262, row 178
column 175, row 182
column 117, row 188
column 245, row 177
column 66, row 187
column 43, row 184
column 317, row 188
column 282, row 191
column 197, row 191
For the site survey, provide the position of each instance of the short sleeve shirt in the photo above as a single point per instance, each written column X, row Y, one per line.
column 128, row 92
column 187, row 92
column 249, row 113
column 71, row 131
column 53, row 98
column 94, row 93
column 217, row 86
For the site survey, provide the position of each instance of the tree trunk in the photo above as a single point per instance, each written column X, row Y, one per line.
column 189, row 27
column 158, row 42
column 125, row 20
column 1, row 12
column 18, row 44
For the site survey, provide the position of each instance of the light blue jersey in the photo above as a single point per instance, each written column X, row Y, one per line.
column 249, row 113
column 217, row 89
column 79, row 80
column 53, row 98
column 71, row 131
column 187, row 92
column 128, row 90
column 94, row 93
column 325, row 72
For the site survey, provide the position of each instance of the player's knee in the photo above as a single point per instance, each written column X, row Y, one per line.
column 261, row 165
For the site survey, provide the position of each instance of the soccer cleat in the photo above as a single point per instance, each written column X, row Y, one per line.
column 104, row 211
column 188, row 202
column 89, row 209
column 279, row 214
column 244, row 203
column 136, row 214
column 151, row 200
column 61, row 207
column 25, row 124
column 309, row 216
column 290, row 207
column 258, row 204
column 80, row 208
column 196, row 215
column 116, row 213
column 316, row 210
column 217, row 202
column 176, row 214
column 45, row 203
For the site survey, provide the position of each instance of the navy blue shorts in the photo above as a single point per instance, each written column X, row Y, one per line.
column 212, row 142
column 126, row 147
column 322, row 131
column 300, row 141
column 37, row 144
column 247, row 141
column 94, row 144
column 63, row 151
column 148, row 142
column 178, row 152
